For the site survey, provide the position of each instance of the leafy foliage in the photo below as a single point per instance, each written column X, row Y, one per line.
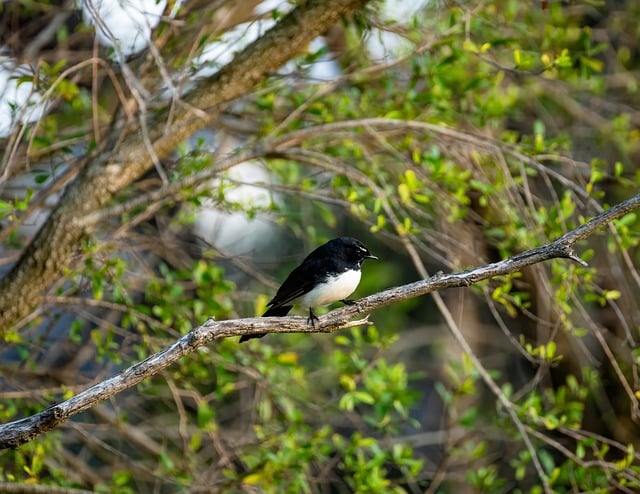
column 504, row 127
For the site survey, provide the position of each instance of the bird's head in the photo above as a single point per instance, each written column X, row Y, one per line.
column 352, row 249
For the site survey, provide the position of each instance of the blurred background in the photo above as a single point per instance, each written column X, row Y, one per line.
column 444, row 135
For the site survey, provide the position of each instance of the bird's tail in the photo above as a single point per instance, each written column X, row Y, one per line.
column 279, row 311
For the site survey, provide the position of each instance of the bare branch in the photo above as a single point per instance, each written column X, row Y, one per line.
column 14, row 434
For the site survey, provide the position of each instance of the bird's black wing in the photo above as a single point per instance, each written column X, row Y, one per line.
column 300, row 281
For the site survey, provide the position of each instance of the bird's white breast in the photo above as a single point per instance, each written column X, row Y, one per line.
column 337, row 287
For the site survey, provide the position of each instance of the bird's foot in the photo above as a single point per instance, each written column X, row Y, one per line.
column 346, row 301
column 312, row 318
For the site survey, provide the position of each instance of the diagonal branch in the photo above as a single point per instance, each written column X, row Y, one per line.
column 16, row 433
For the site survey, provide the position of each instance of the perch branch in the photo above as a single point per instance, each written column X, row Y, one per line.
column 16, row 433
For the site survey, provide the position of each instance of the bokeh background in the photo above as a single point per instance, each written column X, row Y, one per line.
column 444, row 135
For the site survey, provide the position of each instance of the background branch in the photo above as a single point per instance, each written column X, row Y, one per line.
column 16, row 433
column 108, row 173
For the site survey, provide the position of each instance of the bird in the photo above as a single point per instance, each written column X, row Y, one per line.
column 329, row 274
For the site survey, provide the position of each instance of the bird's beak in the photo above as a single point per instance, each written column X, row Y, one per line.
column 370, row 257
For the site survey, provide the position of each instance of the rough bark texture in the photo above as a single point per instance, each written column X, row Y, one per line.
column 53, row 246
column 16, row 433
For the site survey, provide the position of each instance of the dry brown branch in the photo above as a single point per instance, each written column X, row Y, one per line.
column 18, row 432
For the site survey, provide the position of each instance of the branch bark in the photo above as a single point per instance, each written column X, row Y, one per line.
column 52, row 248
column 16, row 433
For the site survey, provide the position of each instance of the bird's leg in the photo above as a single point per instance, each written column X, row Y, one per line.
column 312, row 318
column 346, row 301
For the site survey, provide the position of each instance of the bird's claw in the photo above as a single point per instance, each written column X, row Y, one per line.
column 312, row 318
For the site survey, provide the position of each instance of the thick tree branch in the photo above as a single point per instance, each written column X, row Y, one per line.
column 53, row 247
column 16, row 433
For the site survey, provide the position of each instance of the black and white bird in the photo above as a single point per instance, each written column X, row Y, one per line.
column 329, row 274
